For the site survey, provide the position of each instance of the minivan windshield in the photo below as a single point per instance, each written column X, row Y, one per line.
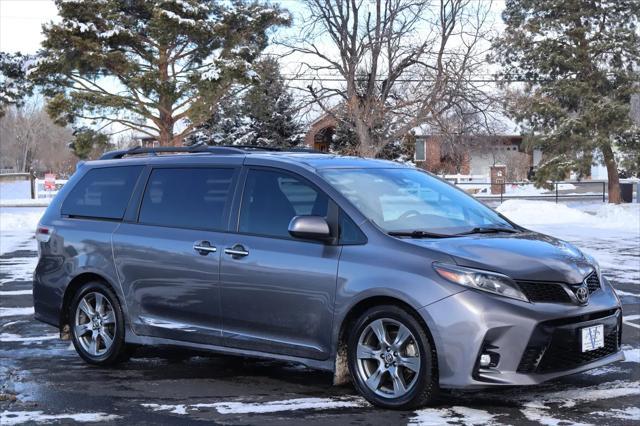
column 409, row 201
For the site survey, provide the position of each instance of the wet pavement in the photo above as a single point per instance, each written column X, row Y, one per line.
column 42, row 380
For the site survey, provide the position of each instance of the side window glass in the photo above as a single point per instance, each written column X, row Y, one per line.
column 102, row 193
column 194, row 198
column 271, row 199
column 349, row 231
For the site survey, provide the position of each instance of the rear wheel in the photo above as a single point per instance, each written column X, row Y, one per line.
column 97, row 324
column 391, row 359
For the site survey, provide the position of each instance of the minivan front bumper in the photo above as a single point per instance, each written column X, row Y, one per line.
column 528, row 343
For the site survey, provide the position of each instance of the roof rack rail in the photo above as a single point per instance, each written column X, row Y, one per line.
column 275, row 149
column 222, row 149
column 253, row 147
column 112, row 155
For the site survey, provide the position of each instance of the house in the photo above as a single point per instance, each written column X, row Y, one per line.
column 445, row 154
column 475, row 154
column 320, row 133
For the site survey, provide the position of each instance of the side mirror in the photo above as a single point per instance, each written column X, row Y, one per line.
column 310, row 228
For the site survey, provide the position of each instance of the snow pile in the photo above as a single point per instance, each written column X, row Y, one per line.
column 15, row 190
column 526, row 212
column 23, row 221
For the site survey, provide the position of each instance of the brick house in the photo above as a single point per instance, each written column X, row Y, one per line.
column 474, row 155
column 321, row 132
column 469, row 155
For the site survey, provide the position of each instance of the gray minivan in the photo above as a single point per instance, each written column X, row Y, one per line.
column 377, row 271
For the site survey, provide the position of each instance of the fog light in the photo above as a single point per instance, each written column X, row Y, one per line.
column 485, row 360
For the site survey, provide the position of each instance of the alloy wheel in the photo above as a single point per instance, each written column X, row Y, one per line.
column 95, row 324
column 388, row 358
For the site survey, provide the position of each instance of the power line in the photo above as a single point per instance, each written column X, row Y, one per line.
column 421, row 80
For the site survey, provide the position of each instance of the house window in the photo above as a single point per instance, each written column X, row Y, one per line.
column 421, row 154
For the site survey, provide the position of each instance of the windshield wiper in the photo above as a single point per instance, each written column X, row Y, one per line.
column 418, row 234
column 488, row 230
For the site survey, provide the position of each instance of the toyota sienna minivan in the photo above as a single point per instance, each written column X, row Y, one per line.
column 376, row 271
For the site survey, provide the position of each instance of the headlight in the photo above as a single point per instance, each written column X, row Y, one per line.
column 480, row 280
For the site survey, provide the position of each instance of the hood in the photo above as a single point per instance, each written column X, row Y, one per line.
column 523, row 256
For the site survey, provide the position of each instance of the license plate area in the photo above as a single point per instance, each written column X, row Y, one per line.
column 592, row 337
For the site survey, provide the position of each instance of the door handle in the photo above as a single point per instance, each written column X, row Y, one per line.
column 237, row 251
column 204, row 247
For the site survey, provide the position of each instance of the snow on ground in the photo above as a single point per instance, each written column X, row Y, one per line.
column 453, row 415
column 20, row 417
column 264, row 407
column 15, row 190
column 530, row 190
column 19, row 194
column 623, row 217
column 17, row 226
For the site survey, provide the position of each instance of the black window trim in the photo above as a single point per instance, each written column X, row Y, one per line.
column 98, row 218
column 228, row 206
column 333, row 208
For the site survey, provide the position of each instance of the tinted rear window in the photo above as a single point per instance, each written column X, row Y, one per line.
column 187, row 198
column 102, row 193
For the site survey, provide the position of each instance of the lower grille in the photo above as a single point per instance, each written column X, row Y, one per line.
column 567, row 355
column 544, row 292
column 556, row 348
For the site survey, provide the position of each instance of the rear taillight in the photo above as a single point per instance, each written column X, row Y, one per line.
column 43, row 234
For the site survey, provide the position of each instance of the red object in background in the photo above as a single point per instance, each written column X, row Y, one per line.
column 49, row 182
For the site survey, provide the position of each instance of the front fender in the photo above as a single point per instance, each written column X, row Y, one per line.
column 367, row 272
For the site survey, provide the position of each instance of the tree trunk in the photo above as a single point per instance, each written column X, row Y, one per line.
column 365, row 148
column 166, row 132
column 612, row 174
column 164, row 101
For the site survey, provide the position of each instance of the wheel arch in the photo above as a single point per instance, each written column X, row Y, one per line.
column 341, row 369
column 74, row 285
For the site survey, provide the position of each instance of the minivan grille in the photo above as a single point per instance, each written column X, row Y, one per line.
column 593, row 282
column 537, row 291
column 544, row 292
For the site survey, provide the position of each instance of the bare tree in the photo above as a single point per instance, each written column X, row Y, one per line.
column 393, row 64
column 31, row 141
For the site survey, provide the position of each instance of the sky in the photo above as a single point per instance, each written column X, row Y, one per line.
column 21, row 21
column 21, row 24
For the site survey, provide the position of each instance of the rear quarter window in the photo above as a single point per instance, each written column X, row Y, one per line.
column 102, row 193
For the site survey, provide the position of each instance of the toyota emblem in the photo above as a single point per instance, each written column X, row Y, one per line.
column 582, row 294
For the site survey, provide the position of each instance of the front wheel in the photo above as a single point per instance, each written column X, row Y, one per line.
column 391, row 359
column 97, row 324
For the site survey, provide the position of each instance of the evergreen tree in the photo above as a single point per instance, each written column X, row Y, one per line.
column 14, row 84
column 269, row 105
column 345, row 139
column 88, row 143
column 158, row 67
column 580, row 59
column 262, row 116
column 227, row 126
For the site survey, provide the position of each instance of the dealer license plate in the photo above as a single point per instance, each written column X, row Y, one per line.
column 592, row 337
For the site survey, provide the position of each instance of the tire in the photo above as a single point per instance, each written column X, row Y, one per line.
column 384, row 373
column 98, row 339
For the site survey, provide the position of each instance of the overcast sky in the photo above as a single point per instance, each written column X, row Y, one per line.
column 21, row 26
column 21, row 21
